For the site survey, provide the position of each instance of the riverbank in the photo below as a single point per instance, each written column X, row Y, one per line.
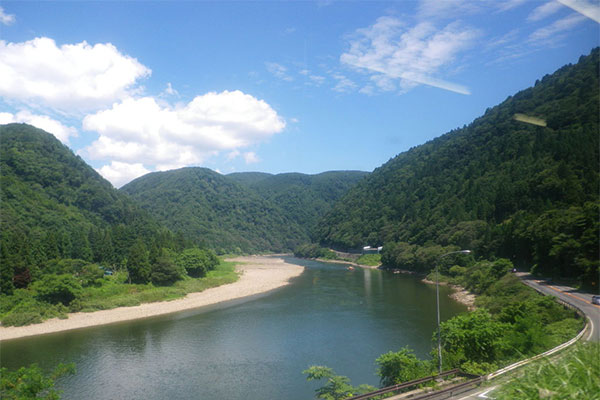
column 460, row 294
column 326, row 260
column 258, row 274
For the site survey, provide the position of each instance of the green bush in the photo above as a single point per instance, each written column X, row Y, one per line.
column 337, row 387
column 22, row 318
column 31, row 382
column 56, row 289
column 401, row 366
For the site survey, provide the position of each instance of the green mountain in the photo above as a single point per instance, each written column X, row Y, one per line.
column 498, row 186
column 248, row 178
column 54, row 206
column 303, row 198
column 205, row 205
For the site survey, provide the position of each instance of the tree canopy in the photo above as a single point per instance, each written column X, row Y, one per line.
column 498, row 186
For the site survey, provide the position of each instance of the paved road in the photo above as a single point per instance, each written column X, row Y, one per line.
column 569, row 295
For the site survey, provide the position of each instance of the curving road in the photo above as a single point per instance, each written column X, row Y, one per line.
column 581, row 300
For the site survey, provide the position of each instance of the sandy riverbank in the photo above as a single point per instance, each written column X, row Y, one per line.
column 258, row 274
column 460, row 294
column 326, row 260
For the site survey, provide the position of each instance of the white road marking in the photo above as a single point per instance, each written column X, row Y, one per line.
column 482, row 394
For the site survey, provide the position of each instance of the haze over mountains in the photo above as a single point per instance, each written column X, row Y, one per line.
column 498, row 186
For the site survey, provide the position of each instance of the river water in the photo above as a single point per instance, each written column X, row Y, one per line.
column 255, row 349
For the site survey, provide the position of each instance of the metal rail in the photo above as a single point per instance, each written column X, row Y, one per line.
column 404, row 385
column 451, row 389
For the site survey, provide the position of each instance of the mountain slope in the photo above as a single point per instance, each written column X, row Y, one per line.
column 304, row 198
column 208, row 206
column 53, row 205
column 498, row 186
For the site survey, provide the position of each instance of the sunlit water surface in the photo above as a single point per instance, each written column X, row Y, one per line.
column 251, row 350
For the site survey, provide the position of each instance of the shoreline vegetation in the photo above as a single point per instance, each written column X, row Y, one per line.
column 373, row 261
column 257, row 275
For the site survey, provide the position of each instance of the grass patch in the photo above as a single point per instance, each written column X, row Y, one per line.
column 111, row 292
column 372, row 260
column 575, row 375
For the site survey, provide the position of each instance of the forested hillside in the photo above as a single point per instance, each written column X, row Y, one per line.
column 71, row 242
column 215, row 209
column 55, row 206
column 303, row 198
column 498, row 186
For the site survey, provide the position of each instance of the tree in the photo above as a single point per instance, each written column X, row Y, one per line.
column 31, row 382
column 401, row 366
column 138, row 265
column 337, row 387
column 56, row 289
column 474, row 337
column 197, row 262
column 164, row 271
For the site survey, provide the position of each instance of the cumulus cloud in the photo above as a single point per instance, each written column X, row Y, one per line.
column 70, row 78
column 142, row 130
column 60, row 131
column 6, row 19
column 120, row 173
column 412, row 55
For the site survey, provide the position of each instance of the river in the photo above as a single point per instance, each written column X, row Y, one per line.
column 255, row 349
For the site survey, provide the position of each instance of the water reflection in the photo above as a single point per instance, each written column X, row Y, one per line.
column 253, row 350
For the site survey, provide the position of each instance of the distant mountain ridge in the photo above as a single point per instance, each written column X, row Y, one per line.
column 498, row 186
column 247, row 212
column 304, row 198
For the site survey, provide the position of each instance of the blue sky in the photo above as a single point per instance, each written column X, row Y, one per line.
column 304, row 86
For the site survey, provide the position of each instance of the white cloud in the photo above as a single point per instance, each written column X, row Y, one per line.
column 279, row 71
column 412, row 55
column 344, row 84
column 233, row 154
column 544, row 11
column 584, row 7
column 317, row 79
column 507, row 5
column 69, row 78
column 170, row 91
column 142, row 130
column 60, row 131
column 552, row 33
column 428, row 9
column 251, row 157
column 120, row 173
column 6, row 19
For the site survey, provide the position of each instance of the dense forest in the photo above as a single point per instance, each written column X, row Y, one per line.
column 204, row 204
column 65, row 228
column 303, row 198
column 499, row 186
column 242, row 212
